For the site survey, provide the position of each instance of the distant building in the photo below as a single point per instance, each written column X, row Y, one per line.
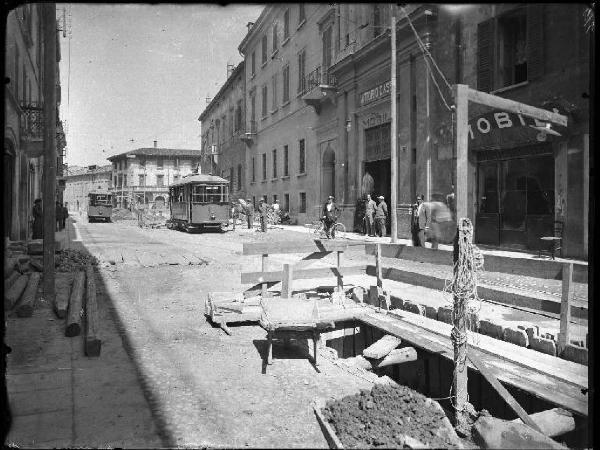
column 223, row 128
column 142, row 176
column 79, row 181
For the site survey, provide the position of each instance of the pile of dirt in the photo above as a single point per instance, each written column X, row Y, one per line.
column 71, row 260
column 383, row 417
column 122, row 214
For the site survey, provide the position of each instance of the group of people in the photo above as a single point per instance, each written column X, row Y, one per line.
column 62, row 212
column 376, row 215
column 247, row 208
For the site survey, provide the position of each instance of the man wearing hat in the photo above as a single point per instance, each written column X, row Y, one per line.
column 330, row 213
column 370, row 207
column 262, row 208
column 249, row 213
column 423, row 220
column 381, row 213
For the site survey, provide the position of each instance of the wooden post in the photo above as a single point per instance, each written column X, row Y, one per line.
column 340, row 279
column 394, row 133
column 462, row 149
column 565, row 307
column 92, row 340
column 75, row 306
column 263, row 290
column 286, row 283
column 459, row 381
column 378, row 265
column 49, row 176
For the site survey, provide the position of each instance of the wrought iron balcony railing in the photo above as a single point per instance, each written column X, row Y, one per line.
column 318, row 77
column 32, row 121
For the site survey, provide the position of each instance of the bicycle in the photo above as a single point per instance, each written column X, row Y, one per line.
column 317, row 229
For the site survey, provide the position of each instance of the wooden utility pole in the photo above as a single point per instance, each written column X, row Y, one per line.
column 394, row 132
column 49, row 176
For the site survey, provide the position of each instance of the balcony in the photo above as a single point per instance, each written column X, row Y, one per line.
column 250, row 132
column 32, row 129
column 319, row 87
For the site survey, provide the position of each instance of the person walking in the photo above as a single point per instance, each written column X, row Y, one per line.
column 370, row 207
column 381, row 213
column 65, row 214
column 249, row 213
column 329, row 215
column 424, row 220
column 264, row 211
column 38, row 219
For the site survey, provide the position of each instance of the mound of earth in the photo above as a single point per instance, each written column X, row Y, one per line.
column 383, row 417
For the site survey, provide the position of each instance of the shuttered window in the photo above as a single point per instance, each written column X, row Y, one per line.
column 485, row 53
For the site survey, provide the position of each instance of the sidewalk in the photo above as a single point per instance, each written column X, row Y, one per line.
column 60, row 398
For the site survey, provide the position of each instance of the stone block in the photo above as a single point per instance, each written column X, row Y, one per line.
column 531, row 330
column 445, row 314
column 576, row 354
column 491, row 329
column 396, row 302
column 516, row 336
column 543, row 345
column 358, row 294
column 490, row 432
column 431, row 312
column 415, row 308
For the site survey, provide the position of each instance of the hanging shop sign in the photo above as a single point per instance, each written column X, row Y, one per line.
column 375, row 93
column 501, row 129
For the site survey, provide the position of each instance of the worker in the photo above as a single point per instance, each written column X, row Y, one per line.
column 263, row 209
column 381, row 213
column 249, row 213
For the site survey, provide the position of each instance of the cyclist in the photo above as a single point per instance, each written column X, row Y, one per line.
column 329, row 216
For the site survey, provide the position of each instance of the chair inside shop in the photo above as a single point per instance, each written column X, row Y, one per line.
column 552, row 245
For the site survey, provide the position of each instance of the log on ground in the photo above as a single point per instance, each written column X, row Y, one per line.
column 25, row 307
column 75, row 306
column 61, row 301
column 13, row 294
column 9, row 266
column 8, row 282
column 92, row 340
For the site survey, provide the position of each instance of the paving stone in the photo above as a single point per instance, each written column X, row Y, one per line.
column 492, row 329
column 543, row 345
column 415, row 308
column 576, row 354
column 445, row 314
column 516, row 336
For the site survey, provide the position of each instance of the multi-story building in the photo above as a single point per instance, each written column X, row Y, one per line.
column 79, row 181
column 24, row 125
column 318, row 82
column 223, row 125
column 142, row 176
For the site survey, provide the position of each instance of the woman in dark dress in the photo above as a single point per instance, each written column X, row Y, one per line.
column 38, row 220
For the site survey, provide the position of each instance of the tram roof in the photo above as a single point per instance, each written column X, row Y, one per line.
column 200, row 178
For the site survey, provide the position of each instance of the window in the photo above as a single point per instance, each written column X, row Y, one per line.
column 125, row 180
column 510, row 48
column 239, row 177
column 302, row 157
column 302, row 206
column 142, row 163
column 206, row 193
column 274, row 94
column 286, row 24
column 176, row 163
column 286, row 202
column 238, row 115
column 141, row 180
column 275, row 38
column 253, row 63
column 160, row 181
column 301, row 70
column 231, row 178
column 275, row 198
column 175, row 178
column 159, row 163
column 326, row 48
column 377, row 27
column 253, row 107
column 264, row 49
column 286, row 83
column 275, row 163
column 264, row 101
column 115, row 183
column 285, row 161
column 301, row 13
column 264, row 166
column 253, row 169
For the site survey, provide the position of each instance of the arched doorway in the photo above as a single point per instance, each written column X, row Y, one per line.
column 159, row 202
column 9, row 185
column 328, row 173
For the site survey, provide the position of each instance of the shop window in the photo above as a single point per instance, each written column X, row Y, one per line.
column 510, row 48
column 302, row 205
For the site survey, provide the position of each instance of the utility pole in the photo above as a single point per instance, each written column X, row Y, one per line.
column 394, row 132
column 49, row 176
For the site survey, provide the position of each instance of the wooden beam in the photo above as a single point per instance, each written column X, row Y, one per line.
column 505, row 104
column 462, row 149
column 553, row 422
column 382, row 347
column 320, row 272
column 312, row 246
column 93, row 343
column 75, row 306
column 13, row 294
column 506, row 396
column 286, row 285
column 340, row 278
column 565, row 307
column 378, row 265
column 263, row 286
column 25, row 307
column 399, row 356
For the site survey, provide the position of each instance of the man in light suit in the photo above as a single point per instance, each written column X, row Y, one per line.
column 424, row 222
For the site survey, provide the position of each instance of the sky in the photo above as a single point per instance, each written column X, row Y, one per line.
column 140, row 73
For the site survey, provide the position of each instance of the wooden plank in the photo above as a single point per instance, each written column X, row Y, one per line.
column 553, row 422
column 565, row 307
column 321, row 272
column 93, row 343
column 529, row 267
column 545, row 386
column 506, row 396
column 63, row 290
column 315, row 245
column 75, row 306
column 382, row 347
column 25, row 306
column 286, row 286
column 505, row 104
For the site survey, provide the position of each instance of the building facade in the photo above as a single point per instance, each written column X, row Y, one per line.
column 142, row 176
column 79, row 181
column 24, row 125
column 223, row 129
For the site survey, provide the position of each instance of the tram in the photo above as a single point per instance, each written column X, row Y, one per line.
column 99, row 206
column 199, row 202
